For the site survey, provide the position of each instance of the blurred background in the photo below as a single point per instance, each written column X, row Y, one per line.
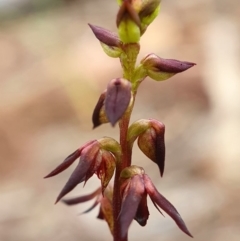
column 52, row 71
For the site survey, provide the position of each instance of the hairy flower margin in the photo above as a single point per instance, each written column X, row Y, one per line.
column 126, row 200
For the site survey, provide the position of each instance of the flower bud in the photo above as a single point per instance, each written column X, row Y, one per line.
column 141, row 12
column 118, row 97
column 96, row 157
column 150, row 134
column 161, row 69
column 152, row 144
column 128, row 23
column 110, row 42
column 134, row 191
column 148, row 12
column 137, row 128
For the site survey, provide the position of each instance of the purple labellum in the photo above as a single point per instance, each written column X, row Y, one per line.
column 117, row 100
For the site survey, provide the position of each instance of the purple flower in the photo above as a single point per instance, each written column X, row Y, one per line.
column 94, row 159
column 135, row 186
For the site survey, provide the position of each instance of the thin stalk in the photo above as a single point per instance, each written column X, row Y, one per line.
column 125, row 162
column 128, row 61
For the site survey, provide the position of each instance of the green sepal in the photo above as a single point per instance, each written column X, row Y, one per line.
column 111, row 51
column 129, row 31
column 131, row 171
column 119, row 2
column 136, row 129
column 159, row 76
column 110, row 144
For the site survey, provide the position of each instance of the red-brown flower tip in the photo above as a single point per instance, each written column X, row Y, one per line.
column 99, row 116
column 68, row 161
column 152, row 143
column 164, row 204
column 118, row 97
column 105, row 36
column 81, row 199
column 134, row 191
column 161, row 69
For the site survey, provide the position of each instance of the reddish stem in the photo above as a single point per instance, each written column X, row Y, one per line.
column 128, row 61
column 125, row 162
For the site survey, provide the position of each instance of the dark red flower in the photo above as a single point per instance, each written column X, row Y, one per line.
column 95, row 158
column 112, row 103
column 135, row 187
column 118, row 97
column 161, row 69
column 150, row 134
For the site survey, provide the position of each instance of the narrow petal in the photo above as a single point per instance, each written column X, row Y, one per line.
column 100, row 214
column 159, row 144
column 160, row 153
column 81, row 199
column 164, row 204
column 107, row 212
column 130, row 203
column 106, row 169
column 142, row 212
column 174, row 66
column 68, row 161
column 65, row 164
column 117, row 99
column 97, row 201
column 78, row 175
column 95, row 165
